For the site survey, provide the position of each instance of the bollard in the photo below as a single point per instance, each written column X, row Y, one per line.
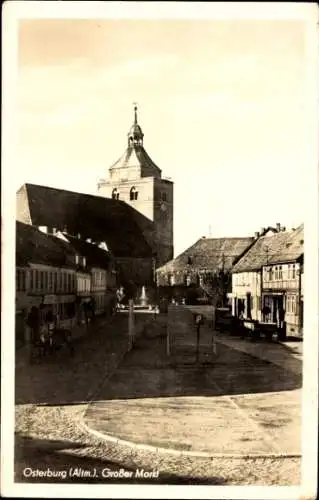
column 167, row 340
column 131, row 325
column 197, row 344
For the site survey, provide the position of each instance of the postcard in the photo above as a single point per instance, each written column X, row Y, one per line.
column 160, row 250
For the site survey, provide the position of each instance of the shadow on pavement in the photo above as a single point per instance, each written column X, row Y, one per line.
column 148, row 373
column 64, row 379
column 57, row 466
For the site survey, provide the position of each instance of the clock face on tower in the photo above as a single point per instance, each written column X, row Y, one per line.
column 163, row 207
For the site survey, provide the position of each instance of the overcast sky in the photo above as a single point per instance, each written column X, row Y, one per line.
column 221, row 104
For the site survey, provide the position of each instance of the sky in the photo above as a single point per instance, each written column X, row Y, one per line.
column 221, row 104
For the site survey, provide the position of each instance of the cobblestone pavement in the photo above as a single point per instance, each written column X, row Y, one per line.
column 49, row 436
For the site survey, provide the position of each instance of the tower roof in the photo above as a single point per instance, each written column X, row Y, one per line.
column 135, row 131
column 135, row 154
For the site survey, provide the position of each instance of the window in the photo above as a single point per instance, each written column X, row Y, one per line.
column 271, row 274
column 20, row 280
column 164, row 197
column 276, row 273
column 115, row 194
column 37, row 280
column 280, row 272
column 172, row 280
column 189, row 261
column 42, row 274
column 293, row 304
column 133, row 194
column 293, row 272
column 31, row 280
column 50, row 281
column 60, row 284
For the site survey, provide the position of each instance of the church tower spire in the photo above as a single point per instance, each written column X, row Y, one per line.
column 135, row 135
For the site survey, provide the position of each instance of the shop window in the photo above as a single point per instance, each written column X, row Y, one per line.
column 293, row 304
column 133, row 194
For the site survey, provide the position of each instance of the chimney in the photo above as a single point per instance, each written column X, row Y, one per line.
column 54, row 230
column 262, row 230
column 278, row 227
column 65, row 229
column 257, row 235
column 43, row 229
column 283, row 228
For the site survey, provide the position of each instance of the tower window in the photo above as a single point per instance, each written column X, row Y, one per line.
column 115, row 194
column 133, row 194
column 164, row 197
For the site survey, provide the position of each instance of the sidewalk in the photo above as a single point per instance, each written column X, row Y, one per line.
column 287, row 355
column 279, row 354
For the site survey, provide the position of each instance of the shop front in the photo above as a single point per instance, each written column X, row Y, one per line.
column 83, row 306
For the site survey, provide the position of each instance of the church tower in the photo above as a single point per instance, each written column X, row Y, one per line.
column 135, row 179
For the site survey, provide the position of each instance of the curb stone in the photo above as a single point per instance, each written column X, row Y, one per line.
column 172, row 451
column 159, row 450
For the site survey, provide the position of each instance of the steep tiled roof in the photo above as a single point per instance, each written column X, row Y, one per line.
column 210, row 254
column 95, row 217
column 136, row 156
column 285, row 246
column 33, row 246
column 95, row 256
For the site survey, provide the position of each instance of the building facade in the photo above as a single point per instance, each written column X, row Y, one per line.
column 246, row 295
column 45, row 281
column 125, row 231
column 136, row 180
column 202, row 270
column 267, row 282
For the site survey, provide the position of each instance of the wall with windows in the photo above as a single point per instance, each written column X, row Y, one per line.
column 83, row 281
column 134, row 190
column 48, row 280
column 246, row 294
column 99, row 279
column 284, row 276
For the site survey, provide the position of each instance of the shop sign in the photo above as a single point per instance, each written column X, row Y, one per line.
column 66, row 298
column 50, row 299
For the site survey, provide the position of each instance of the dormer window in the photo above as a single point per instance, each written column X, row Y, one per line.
column 115, row 194
column 172, row 280
column 133, row 194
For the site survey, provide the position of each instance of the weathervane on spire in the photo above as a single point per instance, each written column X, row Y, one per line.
column 135, row 111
